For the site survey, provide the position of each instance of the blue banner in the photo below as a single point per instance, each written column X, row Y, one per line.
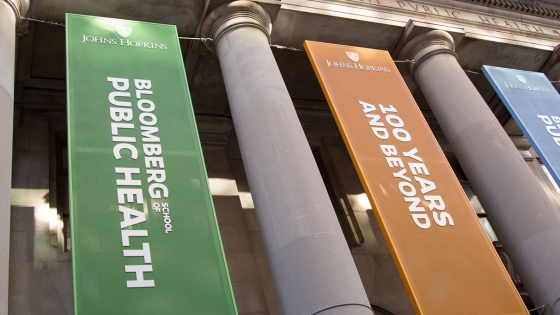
column 535, row 105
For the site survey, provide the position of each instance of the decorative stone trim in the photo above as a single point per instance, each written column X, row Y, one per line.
column 233, row 15
column 422, row 46
column 14, row 4
column 517, row 6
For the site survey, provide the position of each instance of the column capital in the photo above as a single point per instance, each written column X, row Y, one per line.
column 551, row 67
column 554, row 75
column 425, row 45
column 233, row 15
column 19, row 7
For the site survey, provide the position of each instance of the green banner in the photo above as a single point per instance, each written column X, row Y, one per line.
column 145, row 238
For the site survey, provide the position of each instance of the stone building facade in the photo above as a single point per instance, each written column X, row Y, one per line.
column 271, row 144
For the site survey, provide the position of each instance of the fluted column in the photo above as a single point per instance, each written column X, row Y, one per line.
column 9, row 17
column 520, row 212
column 311, row 264
column 551, row 67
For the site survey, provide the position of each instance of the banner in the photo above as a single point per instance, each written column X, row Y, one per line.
column 444, row 257
column 144, row 233
column 534, row 104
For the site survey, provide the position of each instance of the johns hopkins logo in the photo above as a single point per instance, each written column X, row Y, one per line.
column 356, row 66
column 521, row 78
column 524, row 86
column 353, row 56
column 123, row 31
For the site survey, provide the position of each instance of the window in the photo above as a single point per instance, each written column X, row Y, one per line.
column 62, row 189
column 475, row 203
column 338, row 197
column 479, row 210
column 473, row 199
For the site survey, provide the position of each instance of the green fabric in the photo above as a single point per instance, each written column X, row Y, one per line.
column 188, row 266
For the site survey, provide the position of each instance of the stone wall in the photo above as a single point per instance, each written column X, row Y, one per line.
column 40, row 275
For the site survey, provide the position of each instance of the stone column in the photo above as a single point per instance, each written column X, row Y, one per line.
column 551, row 68
column 520, row 212
column 9, row 17
column 312, row 267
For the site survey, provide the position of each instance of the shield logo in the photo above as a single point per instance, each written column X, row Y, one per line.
column 353, row 56
column 521, row 78
column 123, row 31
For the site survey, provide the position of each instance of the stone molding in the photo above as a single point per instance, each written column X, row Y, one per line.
column 518, row 6
column 425, row 45
column 234, row 15
column 477, row 21
column 20, row 8
column 15, row 5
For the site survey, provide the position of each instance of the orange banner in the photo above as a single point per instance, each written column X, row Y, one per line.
column 444, row 256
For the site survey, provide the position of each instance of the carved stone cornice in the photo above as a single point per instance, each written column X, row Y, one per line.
column 519, row 7
column 234, row 15
column 425, row 45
